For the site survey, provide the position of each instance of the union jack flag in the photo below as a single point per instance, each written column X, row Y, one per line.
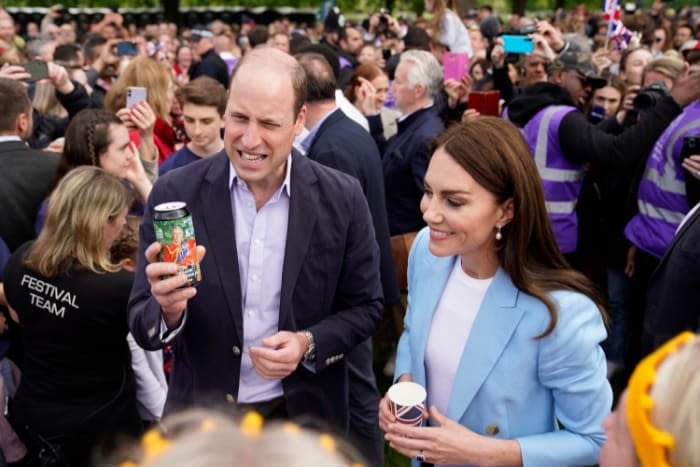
column 408, row 414
column 618, row 34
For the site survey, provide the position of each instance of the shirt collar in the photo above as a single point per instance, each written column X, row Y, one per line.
column 405, row 116
column 286, row 183
column 306, row 143
column 7, row 138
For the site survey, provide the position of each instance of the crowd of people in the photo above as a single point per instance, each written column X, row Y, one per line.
column 548, row 198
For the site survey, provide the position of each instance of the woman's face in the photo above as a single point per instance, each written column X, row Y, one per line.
column 634, row 66
column 462, row 215
column 429, row 5
column 477, row 73
column 381, row 84
column 618, row 450
column 659, row 39
column 118, row 156
column 114, row 227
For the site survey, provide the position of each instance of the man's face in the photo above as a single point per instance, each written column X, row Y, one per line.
column 535, row 69
column 7, row 29
column 177, row 235
column 575, row 85
column 203, row 126
column 683, row 34
column 281, row 42
column 404, row 93
column 352, row 42
column 260, row 124
column 202, row 46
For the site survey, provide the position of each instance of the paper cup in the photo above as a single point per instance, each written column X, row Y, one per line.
column 407, row 401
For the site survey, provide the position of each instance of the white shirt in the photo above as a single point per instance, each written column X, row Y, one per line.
column 449, row 330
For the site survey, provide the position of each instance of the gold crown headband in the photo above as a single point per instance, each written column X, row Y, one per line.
column 154, row 443
column 652, row 444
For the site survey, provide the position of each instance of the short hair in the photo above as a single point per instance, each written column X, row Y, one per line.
column 367, row 71
column 258, row 35
column 91, row 42
column 87, row 137
column 204, row 91
column 426, row 70
column 73, row 234
column 297, row 74
column 320, row 81
column 15, row 101
column 66, row 53
column 144, row 72
column 495, row 154
column 667, row 66
column 36, row 48
column 330, row 55
column 297, row 42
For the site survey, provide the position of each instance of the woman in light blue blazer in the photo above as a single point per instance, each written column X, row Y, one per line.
column 501, row 332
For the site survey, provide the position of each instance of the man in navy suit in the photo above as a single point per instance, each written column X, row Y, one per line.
column 291, row 275
column 672, row 298
column 336, row 141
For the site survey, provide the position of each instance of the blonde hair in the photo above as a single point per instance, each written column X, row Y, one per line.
column 45, row 100
column 205, row 438
column 147, row 73
column 675, row 393
column 79, row 208
column 667, row 66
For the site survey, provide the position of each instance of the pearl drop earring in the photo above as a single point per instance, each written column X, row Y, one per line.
column 499, row 235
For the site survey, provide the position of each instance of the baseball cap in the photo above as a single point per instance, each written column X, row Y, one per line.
column 689, row 46
column 581, row 62
column 200, row 33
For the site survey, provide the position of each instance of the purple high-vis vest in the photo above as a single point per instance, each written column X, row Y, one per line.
column 661, row 197
column 562, row 180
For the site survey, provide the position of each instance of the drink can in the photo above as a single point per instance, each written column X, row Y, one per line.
column 172, row 224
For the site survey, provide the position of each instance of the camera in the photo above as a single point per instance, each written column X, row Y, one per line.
column 525, row 30
column 648, row 96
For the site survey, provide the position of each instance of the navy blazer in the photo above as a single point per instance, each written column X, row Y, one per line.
column 674, row 289
column 405, row 158
column 344, row 145
column 330, row 286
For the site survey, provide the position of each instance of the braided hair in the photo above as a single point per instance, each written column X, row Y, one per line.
column 87, row 136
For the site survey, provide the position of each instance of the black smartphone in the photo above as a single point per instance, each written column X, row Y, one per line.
column 691, row 145
column 126, row 48
column 38, row 69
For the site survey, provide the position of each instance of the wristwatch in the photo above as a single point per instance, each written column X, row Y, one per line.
column 310, row 354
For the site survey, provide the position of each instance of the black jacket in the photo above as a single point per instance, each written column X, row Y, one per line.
column 581, row 141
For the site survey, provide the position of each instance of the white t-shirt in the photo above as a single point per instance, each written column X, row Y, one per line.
column 452, row 323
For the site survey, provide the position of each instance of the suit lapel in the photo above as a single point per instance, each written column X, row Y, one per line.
column 218, row 220
column 494, row 324
column 676, row 238
column 303, row 212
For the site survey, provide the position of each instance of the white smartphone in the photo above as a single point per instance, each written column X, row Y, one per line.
column 134, row 95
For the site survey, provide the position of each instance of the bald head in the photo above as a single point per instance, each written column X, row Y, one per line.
column 271, row 60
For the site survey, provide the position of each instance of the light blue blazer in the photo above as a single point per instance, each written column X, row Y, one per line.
column 508, row 384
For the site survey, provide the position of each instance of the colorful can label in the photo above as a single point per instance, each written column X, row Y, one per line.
column 172, row 224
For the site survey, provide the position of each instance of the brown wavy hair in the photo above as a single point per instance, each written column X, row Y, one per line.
column 143, row 72
column 496, row 155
